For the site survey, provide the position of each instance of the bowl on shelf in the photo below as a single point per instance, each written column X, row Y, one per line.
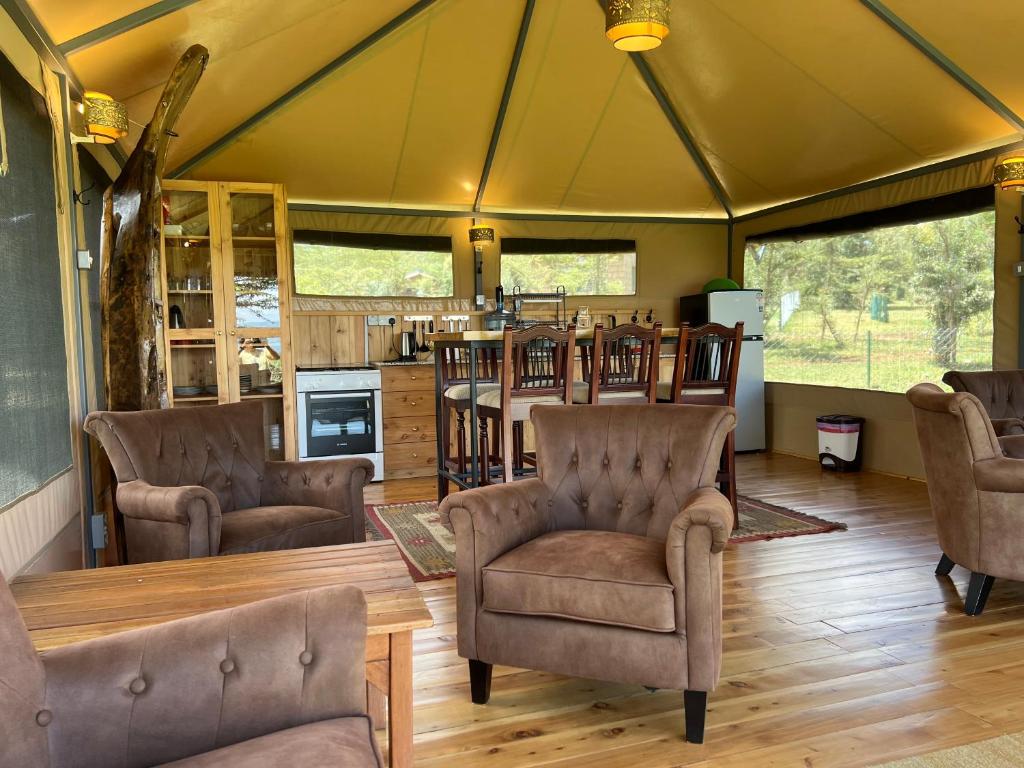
column 269, row 389
column 188, row 391
column 211, row 389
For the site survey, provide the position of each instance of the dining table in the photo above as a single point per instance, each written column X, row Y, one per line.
column 471, row 343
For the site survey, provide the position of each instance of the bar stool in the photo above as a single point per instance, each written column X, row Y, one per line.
column 536, row 367
column 455, row 400
column 621, row 367
column 706, row 365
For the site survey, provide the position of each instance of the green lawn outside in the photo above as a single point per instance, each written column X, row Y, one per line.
column 901, row 350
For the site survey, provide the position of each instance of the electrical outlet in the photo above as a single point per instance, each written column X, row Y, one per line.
column 84, row 259
column 416, row 318
column 1018, row 269
column 381, row 320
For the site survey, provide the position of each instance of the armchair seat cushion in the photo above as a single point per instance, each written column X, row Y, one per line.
column 600, row 577
column 266, row 529
column 345, row 742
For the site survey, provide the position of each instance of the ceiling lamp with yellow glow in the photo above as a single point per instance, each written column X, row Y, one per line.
column 636, row 25
column 1009, row 173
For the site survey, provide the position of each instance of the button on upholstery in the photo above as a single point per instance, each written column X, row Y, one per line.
column 44, row 717
column 619, row 505
column 668, row 464
column 606, row 462
column 227, row 666
column 305, row 658
column 137, row 686
column 584, row 504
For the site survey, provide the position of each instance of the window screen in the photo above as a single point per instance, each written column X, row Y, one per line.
column 362, row 264
column 34, row 410
column 583, row 267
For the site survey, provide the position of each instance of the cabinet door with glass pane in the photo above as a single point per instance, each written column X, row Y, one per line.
column 192, row 285
column 253, row 226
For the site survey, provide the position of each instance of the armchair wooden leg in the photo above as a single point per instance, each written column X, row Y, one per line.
column 945, row 566
column 480, row 680
column 977, row 593
column 695, row 705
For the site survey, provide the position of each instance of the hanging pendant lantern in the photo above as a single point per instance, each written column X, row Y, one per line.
column 1009, row 173
column 105, row 119
column 636, row 25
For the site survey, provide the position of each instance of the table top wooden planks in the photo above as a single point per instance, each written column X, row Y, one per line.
column 71, row 606
column 668, row 334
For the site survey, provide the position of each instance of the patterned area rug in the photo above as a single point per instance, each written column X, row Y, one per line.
column 1002, row 752
column 429, row 548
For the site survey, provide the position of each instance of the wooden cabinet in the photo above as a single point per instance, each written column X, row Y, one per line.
column 225, row 282
column 410, row 432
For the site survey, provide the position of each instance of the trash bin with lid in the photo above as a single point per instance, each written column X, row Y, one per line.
column 839, row 442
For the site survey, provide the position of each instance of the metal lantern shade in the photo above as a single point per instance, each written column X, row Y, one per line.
column 105, row 119
column 1009, row 173
column 636, row 25
column 479, row 234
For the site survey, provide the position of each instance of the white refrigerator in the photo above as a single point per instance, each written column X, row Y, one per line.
column 729, row 308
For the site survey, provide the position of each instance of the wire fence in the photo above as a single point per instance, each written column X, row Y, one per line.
column 891, row 360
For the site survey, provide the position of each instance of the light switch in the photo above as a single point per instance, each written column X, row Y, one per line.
column 84, row 260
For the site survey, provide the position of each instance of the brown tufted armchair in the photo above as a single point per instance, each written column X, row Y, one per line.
column 1001, row 394
column 608, row 564
column 976, row 492
column 195, row 482
column 278, row 682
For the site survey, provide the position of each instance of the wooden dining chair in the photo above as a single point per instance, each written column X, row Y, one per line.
column 621, row 366
column 536, row 367
column 455, row 400
column 706, row 366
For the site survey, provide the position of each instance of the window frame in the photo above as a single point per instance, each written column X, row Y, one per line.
column 373, row 241
column 541, row 246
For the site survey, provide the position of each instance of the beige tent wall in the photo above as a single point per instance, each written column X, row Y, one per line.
column 41, row 531
column 673, row 259
column 890, row 441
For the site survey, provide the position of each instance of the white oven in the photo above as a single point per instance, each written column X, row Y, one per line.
column 339, row 414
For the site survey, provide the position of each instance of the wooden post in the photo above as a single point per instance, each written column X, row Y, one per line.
column 132, row 313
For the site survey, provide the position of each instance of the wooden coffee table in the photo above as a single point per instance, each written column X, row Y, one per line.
column 67, row 607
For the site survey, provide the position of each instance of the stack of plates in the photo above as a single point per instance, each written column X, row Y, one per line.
column 269, row 389
column 245, row 383
column 187, row 391
column 211, row 389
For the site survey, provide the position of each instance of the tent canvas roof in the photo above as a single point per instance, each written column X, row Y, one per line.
column 748, row 103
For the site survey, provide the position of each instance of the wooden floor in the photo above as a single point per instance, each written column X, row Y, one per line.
column 841, row 649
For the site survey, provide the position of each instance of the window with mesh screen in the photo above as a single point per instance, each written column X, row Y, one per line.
column 34, row 409
column 882, row 300
column 364, row 264
column 582, row 267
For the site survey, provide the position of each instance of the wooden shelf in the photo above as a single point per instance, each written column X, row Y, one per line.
column 201, row 291
column 186, row 237
column 254, row 238
column 195, row 399
column 211, row 345
column 262, row 395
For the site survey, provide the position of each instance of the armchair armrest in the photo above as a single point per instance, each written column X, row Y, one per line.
column 999, row 475
column 332, row 484
column 183, row 521
column 488, row 522
column 1004, row 427
column 189, row 686
column 693, row 554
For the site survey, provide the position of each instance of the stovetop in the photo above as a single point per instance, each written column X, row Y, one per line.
column 333, row 368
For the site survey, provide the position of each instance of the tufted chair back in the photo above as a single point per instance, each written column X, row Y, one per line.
column 1001, row 392
column 220, row 447
column 22, row 683
column 626, row 468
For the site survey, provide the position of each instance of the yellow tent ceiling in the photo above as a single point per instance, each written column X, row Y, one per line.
column 777, row 99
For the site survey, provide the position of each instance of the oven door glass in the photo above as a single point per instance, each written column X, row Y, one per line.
column 340, row 423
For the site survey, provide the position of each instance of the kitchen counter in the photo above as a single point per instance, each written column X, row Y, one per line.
column 395, row 363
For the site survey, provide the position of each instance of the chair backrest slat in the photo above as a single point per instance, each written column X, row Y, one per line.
column 623, row 359
column 707, row 363
column 537, row 361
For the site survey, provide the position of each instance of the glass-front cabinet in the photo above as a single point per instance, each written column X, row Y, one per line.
column 226, row 300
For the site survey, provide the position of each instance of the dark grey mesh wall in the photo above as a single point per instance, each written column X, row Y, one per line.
column 35, row 441
column 95, row 180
